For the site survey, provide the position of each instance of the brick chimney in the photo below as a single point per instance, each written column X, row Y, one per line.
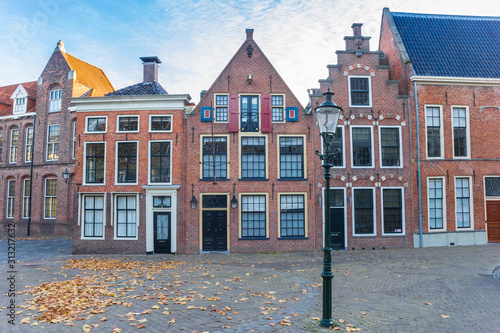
column 249, row 34
column 150, row 68
column 357, row 42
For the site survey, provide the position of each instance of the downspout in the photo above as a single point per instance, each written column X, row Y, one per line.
column 31, row 175
column 419, row 180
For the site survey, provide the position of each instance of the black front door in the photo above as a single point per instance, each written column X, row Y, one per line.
column 162, row 232
column 337, row 211
column 214, row 230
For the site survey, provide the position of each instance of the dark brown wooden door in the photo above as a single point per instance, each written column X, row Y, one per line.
column 493, row 218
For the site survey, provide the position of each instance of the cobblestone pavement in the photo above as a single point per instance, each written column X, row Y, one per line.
column 453, row 289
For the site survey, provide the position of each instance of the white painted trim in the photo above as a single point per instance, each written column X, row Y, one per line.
column 18, row 116
column 441, row 131
column 443, row 188
column 374, row 194
column 45, row 198
column 471, row 203
column 47, row 143
column 369, row 90
column 114, row 218
column 372, row 166
column 161, row 131
column 149, row 163
column 136, row 163
column 222, row 106
column 84, row 180
column 86, row 131
column 282, row 106
column 467, row 132
column 82, row 214
column 448, row 80
column 127, row 116
column 403, row 228
column 400, row 147
column 131, row 103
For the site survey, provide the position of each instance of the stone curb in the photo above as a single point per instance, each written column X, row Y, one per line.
column 493, row 268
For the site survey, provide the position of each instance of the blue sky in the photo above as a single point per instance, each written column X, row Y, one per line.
column 196, row 38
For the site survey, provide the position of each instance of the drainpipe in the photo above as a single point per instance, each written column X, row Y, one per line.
column 31, row 175
column 419, row 180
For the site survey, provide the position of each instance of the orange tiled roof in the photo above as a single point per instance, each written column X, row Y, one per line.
column 89, row 75
column 7, row 91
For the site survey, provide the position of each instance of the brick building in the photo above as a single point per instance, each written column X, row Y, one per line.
column 248, row 145
column 37, row 137
column 129, row 153
column 450, row 68
column 371, row 193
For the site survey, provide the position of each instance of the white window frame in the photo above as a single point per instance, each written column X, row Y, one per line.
column 372, row 154
column 26, row 200
column 443, row 205
column 127, row 116
column 45, row 200
column 84, row 180
column 82, row 214
column 115, row 215
column 48, row 143
column 20, row 104
column 400, row 147
column 87, row 118
column 374, row 212
column 403, row 228
column 467, row 131
column 282, row 106
column 13, row 159
column 369, row 92
column 151, row 116
column 73, row 148
column 149, row 163
column 215, row 108
column 471, row 203
column 55, row 103
column 136, row 163
column 26, row 145
column 441, row 132
column 10, row 199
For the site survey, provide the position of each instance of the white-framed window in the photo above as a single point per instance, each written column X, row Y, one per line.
column 94, row 169
column 393, row 212
column 291, row 157
column 55, row 97
column 391, row 150
column 214, row 162
column 362, row 146
column 160, row 161
column 50, row 198
column 463, row 203
column 436, row 202
column 53, row 143
column 253, row 157
column 253, row 215
column 221, row 108
column 364, row 211
column 278, row 108
column 96, row 124
column 293, row 215
column 94, row 217
column 14, row 140
column 160, row 123
column 20, row 105
column 434, row 131
column 73, row 147
column 126, row 162
column 1, row 145
column 126, row 213
column 360, row 91
column 127, row 124
column 26, row 198
column 461, row 132
column 28, row 151
column 11, row 195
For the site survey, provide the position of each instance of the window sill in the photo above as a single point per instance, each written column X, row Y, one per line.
column 254, row 179
column 211, row 179
column 253, row 238
column 291, row 179
column 293, row 237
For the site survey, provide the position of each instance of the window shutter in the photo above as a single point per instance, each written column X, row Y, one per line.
column 233, row 114
column 266, row 113
column 206, row 113
column 292, row 113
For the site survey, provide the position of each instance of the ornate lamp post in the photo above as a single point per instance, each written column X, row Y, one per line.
column 327, row 115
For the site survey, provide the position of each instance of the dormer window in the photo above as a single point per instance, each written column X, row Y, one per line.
column 20, row 105
column 55, row 100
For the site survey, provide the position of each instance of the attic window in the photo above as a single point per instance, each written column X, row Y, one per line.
column 20, row 105
column 55, row 100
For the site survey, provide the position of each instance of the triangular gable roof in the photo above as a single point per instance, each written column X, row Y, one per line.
column 255, row 53
column 89, row 75
column 6, row 93
column 450, row 45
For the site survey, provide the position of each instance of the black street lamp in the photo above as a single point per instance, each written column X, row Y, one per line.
column 327, row 115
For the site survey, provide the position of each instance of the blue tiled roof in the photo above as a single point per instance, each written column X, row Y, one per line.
column 143, row 88
column 450, row 45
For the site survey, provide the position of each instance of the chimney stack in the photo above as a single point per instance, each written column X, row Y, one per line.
column 150, row 68
column 249, row 34
column 356, row 29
